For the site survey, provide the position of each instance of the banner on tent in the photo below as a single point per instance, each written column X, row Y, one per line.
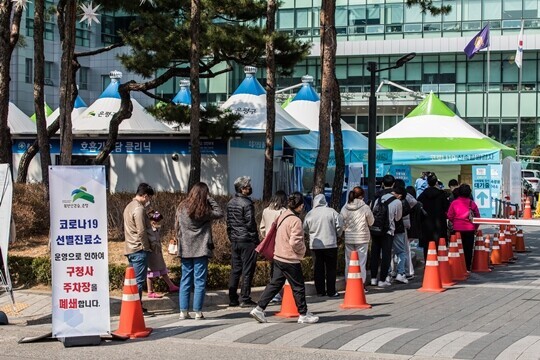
column 79, row 256
column 402, row 172
column 482, row 189
column 472, row 157
column 6, row 198
column 496, row 185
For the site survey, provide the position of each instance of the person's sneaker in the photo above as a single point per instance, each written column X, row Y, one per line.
column 393, row 274
column 248, row 303
column 234, row 303
column 402, row 279
column 184, row 315
column 335, row 295
column 277, row 299
column 410, row 276
column 365, row 290
column 147, row 313
column 199, row 315
column 373, row 282
column 309, row 318
column 389, row 279
column 384, row 284
column 258, row 314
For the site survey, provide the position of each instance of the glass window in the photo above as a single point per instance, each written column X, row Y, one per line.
column 511, row 9
column 374, row 14
column 413, row 71
column 530, row 9
column 475, row 72
column 430, row 18
column 341, row 16
column 28, row 71
column 83, row 78
column 48, row 73
column 303, row 18
column 472, row 10
column 394, row 14
column 285, row 19
column 412, row 14
column 492, row 9
column 454, row 14
column 357, row 15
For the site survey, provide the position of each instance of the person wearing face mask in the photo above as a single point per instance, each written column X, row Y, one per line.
column 244, row 238
column 136, row 224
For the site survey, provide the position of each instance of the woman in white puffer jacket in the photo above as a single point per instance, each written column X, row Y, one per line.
column 358, row 218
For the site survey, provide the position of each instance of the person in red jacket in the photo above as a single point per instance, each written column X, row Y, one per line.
column 460, row 214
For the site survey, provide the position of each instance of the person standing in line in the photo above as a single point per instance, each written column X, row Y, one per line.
column 136, row 224
column 459, row 214
column 421, row 183
column 277, row 206
column 156, row 264
column 193, row 224
column 289, row 251
column 244, row 238
column 357, row 218
column 381, row 245
column 323, row 225
column 400, row 235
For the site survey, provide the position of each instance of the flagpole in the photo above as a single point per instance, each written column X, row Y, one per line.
column 488, row 78
column 520, row 77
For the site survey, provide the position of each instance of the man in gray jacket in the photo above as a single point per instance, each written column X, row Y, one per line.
column 324, row 225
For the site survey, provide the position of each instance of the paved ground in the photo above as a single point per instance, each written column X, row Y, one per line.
column 491, row 316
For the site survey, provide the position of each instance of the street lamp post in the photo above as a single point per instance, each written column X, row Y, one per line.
column 372, row 121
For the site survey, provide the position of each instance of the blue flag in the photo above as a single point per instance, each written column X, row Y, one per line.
column 479, row 42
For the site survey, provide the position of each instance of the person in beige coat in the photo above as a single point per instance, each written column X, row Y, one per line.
column 357, row 218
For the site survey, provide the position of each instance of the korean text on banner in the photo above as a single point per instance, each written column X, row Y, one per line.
column 6, row 197
column 79, row 256
column 482, row 189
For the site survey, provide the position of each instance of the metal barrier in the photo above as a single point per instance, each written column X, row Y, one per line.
column 504, row 208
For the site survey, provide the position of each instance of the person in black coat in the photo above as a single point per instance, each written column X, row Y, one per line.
column 435, row 203
column 244, row 238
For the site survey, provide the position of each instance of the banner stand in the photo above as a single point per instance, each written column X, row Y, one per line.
column 73, row 341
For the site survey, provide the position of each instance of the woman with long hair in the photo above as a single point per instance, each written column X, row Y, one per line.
column 289, row 251
column 357, row 218
column 194, row 218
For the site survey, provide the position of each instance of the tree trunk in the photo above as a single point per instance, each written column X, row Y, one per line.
column 328, row 50
column 195, row 168
column 29, row 154
column 339, row 176
column 67, row 13
column 39, row 98
column 10, row 20
column 270, row 100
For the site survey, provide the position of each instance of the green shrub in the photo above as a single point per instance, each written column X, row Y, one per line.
column 30, row 210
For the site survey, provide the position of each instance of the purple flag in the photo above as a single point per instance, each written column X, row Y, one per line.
column 479, row 42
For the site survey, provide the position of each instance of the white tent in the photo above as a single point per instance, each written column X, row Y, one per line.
column 96, row 118
column 19, row 123
column 78, row 108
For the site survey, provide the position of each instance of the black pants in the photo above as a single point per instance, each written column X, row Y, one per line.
column 467, row 238
column 293, row 274
column 324, row 270
column 381, row 253
column 243, row 262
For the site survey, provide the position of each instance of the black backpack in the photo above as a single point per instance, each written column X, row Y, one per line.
column 381, row 225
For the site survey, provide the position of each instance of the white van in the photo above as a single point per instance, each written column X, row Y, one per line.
column 533, row 177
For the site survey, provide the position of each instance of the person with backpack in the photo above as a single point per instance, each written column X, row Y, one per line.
column 400, row 235
column 385, row 212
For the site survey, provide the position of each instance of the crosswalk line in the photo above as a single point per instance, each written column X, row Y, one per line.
column 188, row 323
column 235, row 332
column 305, row 334
column 523, row 349
column 450, row 344
column 375, row 339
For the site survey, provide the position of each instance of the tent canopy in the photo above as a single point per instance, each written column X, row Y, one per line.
column 18, row 122
column 249, row 100
column 434, row 134
column 78, row 108
column 304, row 107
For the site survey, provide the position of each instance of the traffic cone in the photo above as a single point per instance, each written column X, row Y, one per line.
column 480, row 260
column 461, row 255
column 487, row 251
column 509, row 248
column 513, row 234
column 506, row 245
column 527, row 212
column 496, row 252
column 454, row 260
column 131, row 315
column 288, row 305
column 520, row 241
column 355, row 298
column 444, row 267
column 432, row 277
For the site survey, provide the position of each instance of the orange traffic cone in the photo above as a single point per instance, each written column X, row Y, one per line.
column 461, row 255
column 288, row 305
column 480, row 260
column 496, row 252
column 454, row 260
column 513, row 234
column 444, row 267
column 520, row 242
column 487, row 251
column 504, row 239
column 432, row 277
column 355, row 298
column 131, row 315
column 527, row 213
column 509, row 249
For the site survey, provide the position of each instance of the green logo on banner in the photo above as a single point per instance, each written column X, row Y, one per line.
column 81, row 193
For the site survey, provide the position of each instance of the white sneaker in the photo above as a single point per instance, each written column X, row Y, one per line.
column 373, row 282
column 258, row 314
column 402, row 279
column 384, row 284
column 199, row 315
column 184, row 315
column 309, row 318
column 388, row 279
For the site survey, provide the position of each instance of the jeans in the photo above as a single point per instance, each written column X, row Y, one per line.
column 139, row 262
column 194, row 273
column 381, row 252
column 325, row 269
column 399, row 247
column 243, row 261
column 362, row 250
column 293, row 274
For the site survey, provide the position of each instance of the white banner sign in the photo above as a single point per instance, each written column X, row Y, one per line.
column 6, row 197
column 79, row 256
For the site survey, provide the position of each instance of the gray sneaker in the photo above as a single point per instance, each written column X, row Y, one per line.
column 309, row 318
column 402, row 279
column 384, row 284
column 184, row 315
column 258, row 314
column 199, row 315
column 373, row 282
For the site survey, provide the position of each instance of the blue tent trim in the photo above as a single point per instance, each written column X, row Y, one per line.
column 79, row 103
column 183, row 97
column 306, row 93
column 111, row 91
column 250, row 86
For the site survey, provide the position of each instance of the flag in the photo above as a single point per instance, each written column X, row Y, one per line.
column 519, row 52
column 479, row 42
